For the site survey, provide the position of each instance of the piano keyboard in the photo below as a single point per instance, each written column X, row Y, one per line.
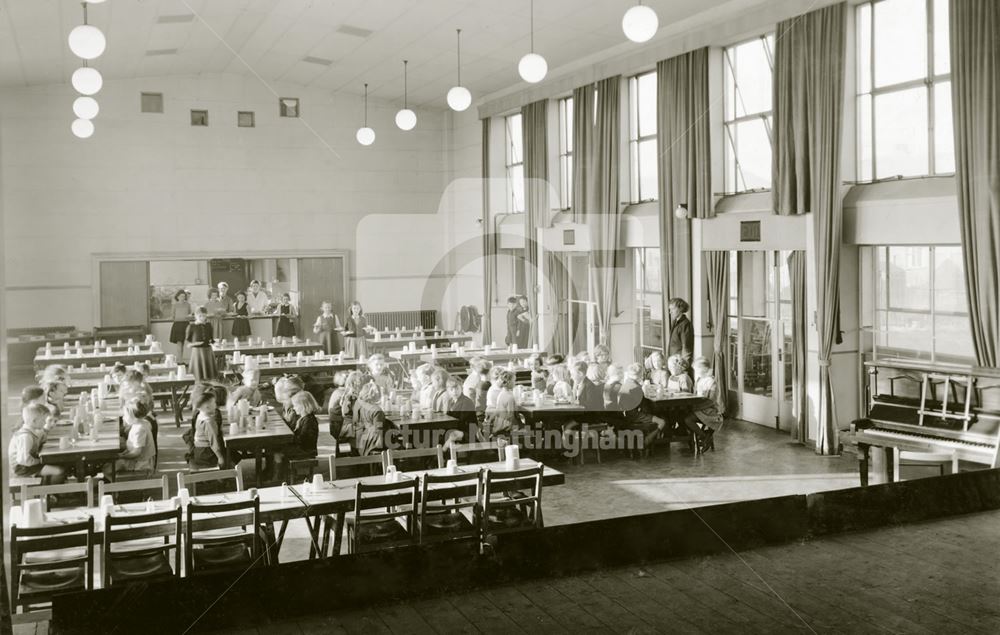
column 967, row 450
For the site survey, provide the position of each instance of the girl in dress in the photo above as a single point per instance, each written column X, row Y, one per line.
column 208, row 448
column 679, row 380
column 325, row 326
column 355, row 329
column 501, row 419
column 199, row 335
column 180, row 313
column 241, row 324
column 706, row 417
column 216, row 309
column 379, row 370
column 658, row 373
column 285, row 314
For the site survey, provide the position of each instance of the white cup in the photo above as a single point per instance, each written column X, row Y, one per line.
column 317, row 482
column 32, row 513
column 184, row 496
column 63, row 443
column 452, row 466
column 234, row 429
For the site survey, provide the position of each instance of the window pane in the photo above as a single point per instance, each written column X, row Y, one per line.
column 944, row 134
column 753, row 153
column 908, row 330
column 865, row 138
column 647, row 104
column 633, row 108
column 900, row 41
column 909, row 278
column 942, row 52
column 949, row 280
column 633, row 162
column 864, row 48
column 952, row 336
column 647, row 170
column 729, row 154
column 730, row 83
column 515, row 176
column 514, row 140
column 901, row 133
column 652, row 274
column 569, row 124
column 753, row 79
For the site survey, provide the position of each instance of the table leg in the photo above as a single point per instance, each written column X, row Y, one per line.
column 863, row 460
column 338, row 532
column 174, row 402
column 257, row 463
column 890, row 473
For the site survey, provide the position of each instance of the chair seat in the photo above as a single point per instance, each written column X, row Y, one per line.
column 378, row 531
column 447, row 523
column 139, row 567
column 54, row 555
column 506, row 518
column 226, row 556
column 46, row 582
column 140, row 544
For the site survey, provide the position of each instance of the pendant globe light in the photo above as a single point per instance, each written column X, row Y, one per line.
column 365, row 135
column 532, row 66
column 640, row 23
column 87, row 41
column 87, row 80
column 82, row 128
column 406, row 119
column 459, row 97
column 86, row 107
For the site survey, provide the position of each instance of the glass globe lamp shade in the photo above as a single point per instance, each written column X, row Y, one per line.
column 532, row 68
column 459, row 98
column 365, row 136
column 86, row 107
column 82, row 128
column 640, row 23
column 87, row 42
column 87, row 80
column 406, row 119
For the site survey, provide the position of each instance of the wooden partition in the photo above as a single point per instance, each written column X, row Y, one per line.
column 123, row 283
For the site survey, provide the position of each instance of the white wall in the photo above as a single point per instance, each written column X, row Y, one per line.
column 151, row 183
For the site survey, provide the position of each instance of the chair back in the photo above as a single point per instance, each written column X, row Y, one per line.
column 459, row 450
column 374, row 463
column 391, row 456
column 402, row 505
column 136, row 538
column 512, row 491
column 62, row 542
column 437, row 498
column 190, row 480
column 44, row 491
column 247, row 523
column 302, row 469
column 160, row 485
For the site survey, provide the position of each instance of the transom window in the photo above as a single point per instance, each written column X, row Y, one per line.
column 748, row 72
column 515, row 164
column 642, row 137
column 904, row 89
column 566, row 153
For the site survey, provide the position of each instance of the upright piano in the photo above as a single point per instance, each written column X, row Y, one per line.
column 920, row 406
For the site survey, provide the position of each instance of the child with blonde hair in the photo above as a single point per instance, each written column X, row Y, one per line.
column 679, row 380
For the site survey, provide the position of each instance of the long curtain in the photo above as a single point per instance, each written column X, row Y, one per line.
column 685, row 165
column 534, row 137
column 489, row 251
column 583, row 139
column 797, row 278
column 558, row 278
column 604, row 211
column 975, row 97
column 717, row 274
column 808, row 117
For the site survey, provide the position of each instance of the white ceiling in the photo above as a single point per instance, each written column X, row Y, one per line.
column 270, row 38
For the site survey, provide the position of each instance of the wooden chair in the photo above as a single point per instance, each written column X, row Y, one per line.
column 236, row 547
column 463, row 449
column 391, row 456
column 441, row 520
column 908, row 465
column 190, row 480
column 369, row 530
column 301, row 469
column 135, row 554
column 159, row 485
column 15, row 483
column 512, row 501
column 375, row 464
column 65, row 562
column 44, row 491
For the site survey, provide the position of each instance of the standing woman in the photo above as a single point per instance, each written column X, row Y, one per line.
column 199, row 335
column 355, row 329
column 523, row 322
column 180, row 313
column 216, row 309
column 241, row 324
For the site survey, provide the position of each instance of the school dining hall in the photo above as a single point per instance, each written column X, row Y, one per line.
column 467, row 316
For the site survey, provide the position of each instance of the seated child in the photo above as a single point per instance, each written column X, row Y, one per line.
column 462, row 408
column 539, row 375
column 118, row 373
column 706, row 417
column 26, row 444
column 134, row 385
column 679, row 380
column 334, row 408
column 501, row 418
column 371, row 426
column 208, row 448
column 430, row 396
column 494, row 390
column 248, row 388
column 379, row 370
column 657, row 365
column 631, row 403
column 420, row 378
column 55, row 395
column 53, row 372
column 474, row 381
column 306, row 432
column 140, row 444
column 560, row 385
column 32, row 394
column 284, row 389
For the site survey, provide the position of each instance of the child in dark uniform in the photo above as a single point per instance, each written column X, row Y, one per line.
column 241, row 325
column 180, row 313
column 285, row 314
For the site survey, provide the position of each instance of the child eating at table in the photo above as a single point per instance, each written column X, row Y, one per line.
column 133, row 385
column 560, row 386
column 369, row 421
column 286, row 313
column 658, row 374
column 459, row 406
column 26, row 445
column 140, row 441
column 631, row 404
column 706, row 417
column 55, row 395
column 379, row 371
column 435, row 394
column 501, row 418
column 208, row 447
column 334, row 407
column 118, row 373
column 679, row 380
column 305, row 432
column 248, row 388
column 325, row 326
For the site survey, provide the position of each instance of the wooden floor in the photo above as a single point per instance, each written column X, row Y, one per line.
column 935, row 577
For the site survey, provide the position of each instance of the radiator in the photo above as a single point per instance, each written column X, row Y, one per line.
column 392, row 320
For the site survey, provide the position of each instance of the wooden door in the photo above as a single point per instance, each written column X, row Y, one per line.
column 321, row 280
column 125, row 293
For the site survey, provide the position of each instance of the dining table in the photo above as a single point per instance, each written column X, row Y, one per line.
column 90, row 357
column 81, row 450
column 255, row 439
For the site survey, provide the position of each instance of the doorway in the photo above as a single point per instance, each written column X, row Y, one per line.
column 760, row 337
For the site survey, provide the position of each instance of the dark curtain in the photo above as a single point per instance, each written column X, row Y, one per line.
column 975, row 97
column 684, row 167
column 717, row 274
column 583, row 136
column 558, row 277
column 489, row 247
column 797, row 278
column 808, row 117
column 534, row 137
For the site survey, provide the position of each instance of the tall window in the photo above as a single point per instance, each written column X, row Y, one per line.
column 515, row 164
column 649, row 300
column 919, row 304
column 748, row 71
column 904, row 89
column 566, row 153
column 642, row 136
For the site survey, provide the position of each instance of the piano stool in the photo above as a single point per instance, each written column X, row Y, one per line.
column 908, row 464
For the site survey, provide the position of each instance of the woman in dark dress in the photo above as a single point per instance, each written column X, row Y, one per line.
column 241, row 325
column 285, row 314
column 199, row 336
column 523, row 322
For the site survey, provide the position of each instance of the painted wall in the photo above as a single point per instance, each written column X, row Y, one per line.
column 149, row 183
